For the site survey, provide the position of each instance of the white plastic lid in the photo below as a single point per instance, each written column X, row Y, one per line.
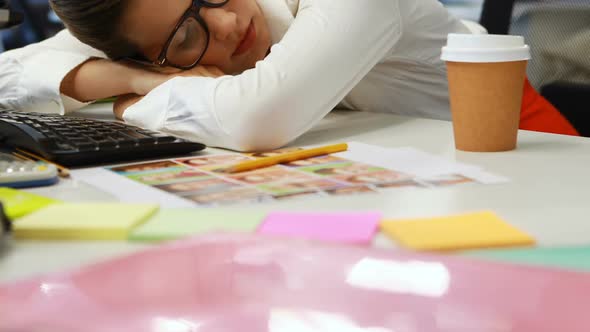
column 485, row 48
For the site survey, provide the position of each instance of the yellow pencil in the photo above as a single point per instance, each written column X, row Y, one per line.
column 286, row 158
column 20, row 156
column 62, row 171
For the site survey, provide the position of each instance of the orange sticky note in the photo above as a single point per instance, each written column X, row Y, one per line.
column 467, row 231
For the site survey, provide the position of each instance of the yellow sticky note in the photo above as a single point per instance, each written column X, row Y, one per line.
column 467, row 231
column 18, row 203
column 101, row 221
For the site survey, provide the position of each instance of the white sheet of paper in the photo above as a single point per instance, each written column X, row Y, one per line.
column 415, row 162
column 127, row 190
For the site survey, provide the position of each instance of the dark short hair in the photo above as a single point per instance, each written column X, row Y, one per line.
column 97, row 23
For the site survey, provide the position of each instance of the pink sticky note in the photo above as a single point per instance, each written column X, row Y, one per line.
column 356, row 228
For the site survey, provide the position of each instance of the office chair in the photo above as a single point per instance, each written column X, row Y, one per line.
column 35, row 18
column 8, row 17
column 38, row 24
column 544, row 28
column 496, row 16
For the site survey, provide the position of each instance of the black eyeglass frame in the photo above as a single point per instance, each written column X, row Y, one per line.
column 194, row 12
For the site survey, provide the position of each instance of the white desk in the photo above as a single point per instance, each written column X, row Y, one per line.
column 548, row 197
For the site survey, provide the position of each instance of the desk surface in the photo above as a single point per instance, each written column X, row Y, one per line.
column 548, row 195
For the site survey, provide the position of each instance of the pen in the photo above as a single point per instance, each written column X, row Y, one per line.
column 62, row 171
column 285, row 158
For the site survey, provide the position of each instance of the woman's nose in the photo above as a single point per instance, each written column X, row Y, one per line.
column 221, row 23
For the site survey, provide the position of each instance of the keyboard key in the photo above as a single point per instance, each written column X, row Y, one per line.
column 165, row 139
column 65, row 146
column 124, row 141
column 86, row 146
column 46, row 132
column 96, row 137
column 147, row 132
column 138, row 137
column 106, row 143
column 79, row 140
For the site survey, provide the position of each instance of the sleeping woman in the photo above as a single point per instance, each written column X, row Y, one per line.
column 239, row 74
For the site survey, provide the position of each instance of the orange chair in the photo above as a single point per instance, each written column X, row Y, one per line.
column 537, row 114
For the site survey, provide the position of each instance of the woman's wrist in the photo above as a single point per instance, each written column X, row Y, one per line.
column 143, row 81
column 97, row 79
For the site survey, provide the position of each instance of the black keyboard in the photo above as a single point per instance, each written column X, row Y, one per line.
column 72, row 141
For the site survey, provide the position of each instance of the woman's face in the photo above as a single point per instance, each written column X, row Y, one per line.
column 149, row 24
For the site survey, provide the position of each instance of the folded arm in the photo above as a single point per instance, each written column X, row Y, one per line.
column 31, row 77
column 62, row 74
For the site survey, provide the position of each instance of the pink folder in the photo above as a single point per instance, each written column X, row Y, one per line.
column 253, row 283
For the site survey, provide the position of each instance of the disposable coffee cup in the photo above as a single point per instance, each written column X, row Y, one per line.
column 486, row 76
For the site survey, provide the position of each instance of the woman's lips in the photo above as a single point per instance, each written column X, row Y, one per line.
column 248, row 40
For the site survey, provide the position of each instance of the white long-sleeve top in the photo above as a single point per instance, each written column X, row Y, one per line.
column 368, row 55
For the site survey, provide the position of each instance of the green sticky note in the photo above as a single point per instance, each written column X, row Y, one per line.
column 101, row 221
column 18, row 203
column 571, row 258
column 106, row 100
column 170, row 224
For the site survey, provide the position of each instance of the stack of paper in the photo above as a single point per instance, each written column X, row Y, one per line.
column 19, row 203
column 354, row 228
column 468, row 231
column 83, row 221
column 170, row 224
column 571, row 258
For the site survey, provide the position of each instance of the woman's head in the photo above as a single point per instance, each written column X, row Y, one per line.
column 124, row 28
column 97, row 23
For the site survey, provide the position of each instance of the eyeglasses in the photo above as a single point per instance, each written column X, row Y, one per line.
column 189, row 40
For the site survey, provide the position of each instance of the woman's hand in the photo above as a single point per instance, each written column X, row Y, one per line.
column 148, row 78
column 202, row 71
